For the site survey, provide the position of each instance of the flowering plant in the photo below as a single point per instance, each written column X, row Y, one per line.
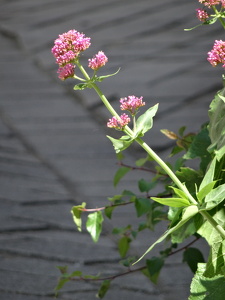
column 194, row 197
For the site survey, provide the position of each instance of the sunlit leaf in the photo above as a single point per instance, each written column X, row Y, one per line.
column 94, row 225
column 76, row 213
column 174, row 202
column 121, row 144
column 145, row 121
column 203, row 288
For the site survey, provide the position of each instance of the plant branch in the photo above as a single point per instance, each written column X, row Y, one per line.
column 185, row 247
column 120, row 163
column 104, row 207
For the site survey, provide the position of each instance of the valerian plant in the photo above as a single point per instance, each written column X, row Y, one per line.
column 194, row 197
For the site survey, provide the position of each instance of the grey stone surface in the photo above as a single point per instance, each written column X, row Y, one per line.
column 53, row 149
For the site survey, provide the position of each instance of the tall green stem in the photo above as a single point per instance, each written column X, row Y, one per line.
column 152, row 154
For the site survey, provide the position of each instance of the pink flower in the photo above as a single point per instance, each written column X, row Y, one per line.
column 66, row 71
column 217, row 54
column 131, row 104
column 209, row 3
column 223, row 3
column 118, row 123
column 98, row 61
column 69, row 45
column 202, row 15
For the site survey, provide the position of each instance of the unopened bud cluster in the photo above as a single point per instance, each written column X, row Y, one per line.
column 130, row 104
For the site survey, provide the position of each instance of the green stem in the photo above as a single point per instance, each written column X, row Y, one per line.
column 210, row 219
column 218, row 14
column 153, row 154
column 166, row 169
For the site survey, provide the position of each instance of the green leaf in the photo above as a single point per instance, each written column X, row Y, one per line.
column 101, row 78
column 216, row 125
column 204, row 288
column 173, row 202
column 146, row 186
column 143, row 206
column 209, row 176
column 179, row 192
column 145, row 121
column 187, row 230
column 193, row 256
column 108, row 211
column 216, row 260
column 214, row 198
column 103, row 289
column 188, row 213
column 94, row 225
column 62, row 281
column 205, row 191
column 76, row 213
column 198, row 148
column 124, row 245
column 190, row 177
column 81, row 86
column 207, row 231
column 121, row 144
column 121, row 172
column 140, row 162
column 154, row 265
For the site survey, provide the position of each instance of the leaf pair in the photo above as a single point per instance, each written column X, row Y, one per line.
column 93, row 224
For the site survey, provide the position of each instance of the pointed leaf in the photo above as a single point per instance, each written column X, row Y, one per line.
column 214, row 198
column 193, row 256
column 94, row 225
column 124, row 245
column 144, row 122
column 121, row 172
column 188, row 213
column 205, row 191
column 103, row 289
column 143, row 206
column 173, row 202
column 209, row 176
column 76, row 212
column 154, row 265
column 179, row 192
column 80, row 86
column 101, row 78
column 121, row 144
column 108, row 211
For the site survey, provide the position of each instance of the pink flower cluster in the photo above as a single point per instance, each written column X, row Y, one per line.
column 210, row 3
column 217, row 54
column 131, row 104
column 66, row 71
column 69, row 45
column 66, row 49
column 98, row 61
column 118, row 123
column 202, row 14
